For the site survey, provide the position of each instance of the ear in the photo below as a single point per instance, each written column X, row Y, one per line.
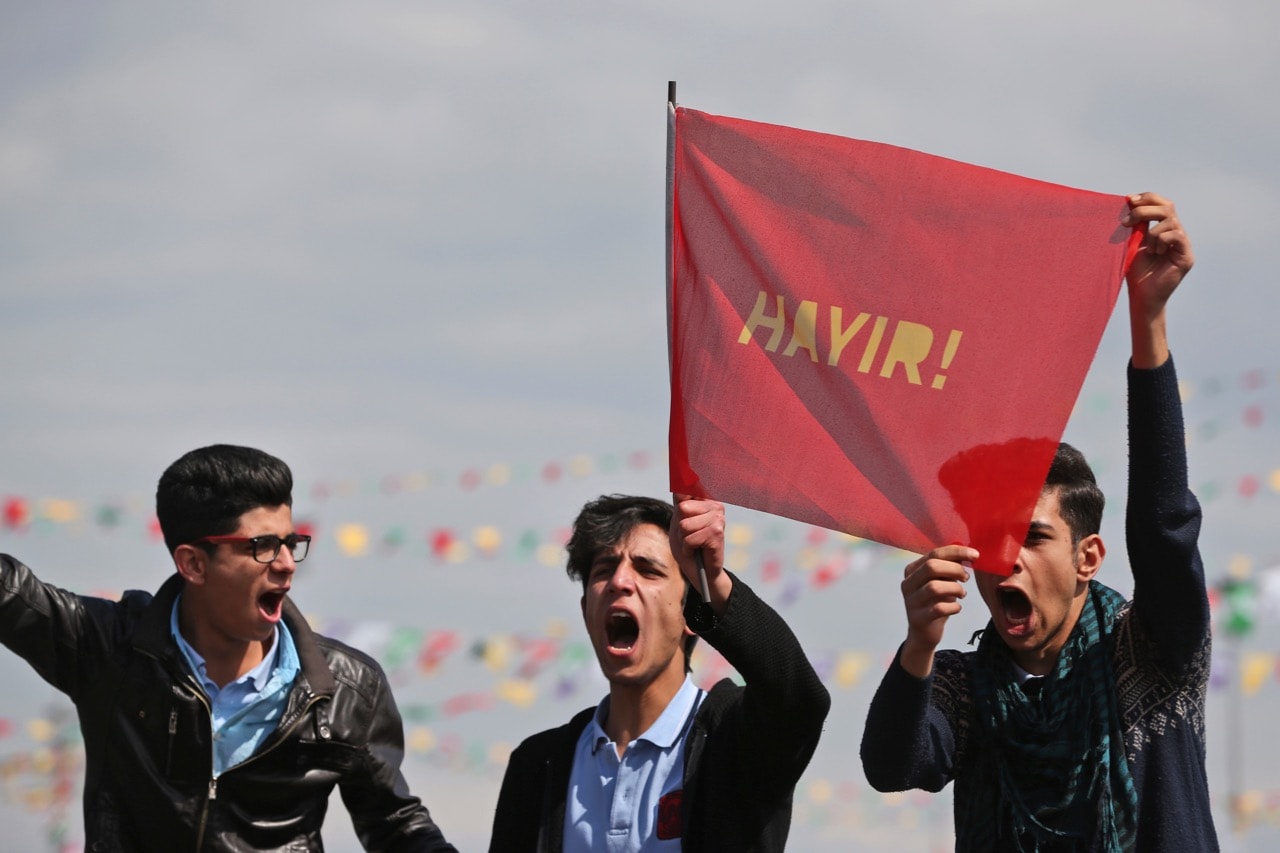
column 582, row 604
column 192, row 563
column 1089, row 555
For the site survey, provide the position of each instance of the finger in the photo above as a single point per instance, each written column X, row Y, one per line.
column 1148, row 199
column 1149, row 207
column 925, row 569
column 701, row 524
column 952, row 554
column 939, row 590
column 934, row 571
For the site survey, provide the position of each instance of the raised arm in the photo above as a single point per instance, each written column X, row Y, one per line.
column 907, row 742
column 59, row 633
column 1162, row 521
column 784, row 702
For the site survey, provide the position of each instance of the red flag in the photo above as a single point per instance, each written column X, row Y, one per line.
column 876, row 340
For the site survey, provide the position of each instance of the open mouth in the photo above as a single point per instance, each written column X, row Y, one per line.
column 1016, row 606
column 271, row 603
column 622, row 630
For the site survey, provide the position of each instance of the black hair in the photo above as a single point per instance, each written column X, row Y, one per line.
column 1080, row 501
column 206, row 491
column 606, row 521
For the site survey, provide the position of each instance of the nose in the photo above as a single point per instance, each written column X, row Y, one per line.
column 284, row 562
column 623, row 578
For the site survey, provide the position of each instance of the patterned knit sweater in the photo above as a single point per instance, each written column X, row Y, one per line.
column 920, row 733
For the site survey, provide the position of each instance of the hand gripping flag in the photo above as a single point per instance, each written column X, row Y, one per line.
column 876, row 340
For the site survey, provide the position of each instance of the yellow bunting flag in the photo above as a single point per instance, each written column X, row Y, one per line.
column 1254, row 670
column 353, row 539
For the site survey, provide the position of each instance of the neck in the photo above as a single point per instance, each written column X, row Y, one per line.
column 633, row 708
column 225, row 658
column 1041, row 661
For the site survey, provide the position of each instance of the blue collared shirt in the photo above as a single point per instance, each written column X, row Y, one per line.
column 619, row 804
column 248, row 709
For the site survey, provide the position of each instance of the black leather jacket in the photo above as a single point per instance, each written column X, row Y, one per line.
column 149, row 783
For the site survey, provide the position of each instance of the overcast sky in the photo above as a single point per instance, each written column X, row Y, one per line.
column 392, row 240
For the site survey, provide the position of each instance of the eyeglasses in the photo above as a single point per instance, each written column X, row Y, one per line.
column 267, row 548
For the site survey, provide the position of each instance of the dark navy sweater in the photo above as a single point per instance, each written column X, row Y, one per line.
column 920, row 733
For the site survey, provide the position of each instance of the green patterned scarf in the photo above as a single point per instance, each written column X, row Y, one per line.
column 1049, row 774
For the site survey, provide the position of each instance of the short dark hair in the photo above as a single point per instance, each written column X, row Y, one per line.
column 206, row 491
column 606, row 521
column 1080, row 501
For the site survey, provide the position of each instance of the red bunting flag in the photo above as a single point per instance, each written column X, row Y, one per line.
column 876, row 340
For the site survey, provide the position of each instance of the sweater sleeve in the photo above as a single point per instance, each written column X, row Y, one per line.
column 784, row 702
column 908, row 742
column 1162, row 520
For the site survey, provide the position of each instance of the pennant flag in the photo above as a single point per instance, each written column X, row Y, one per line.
column 875, row 340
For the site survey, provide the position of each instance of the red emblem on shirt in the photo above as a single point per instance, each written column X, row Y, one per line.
column 669, row 815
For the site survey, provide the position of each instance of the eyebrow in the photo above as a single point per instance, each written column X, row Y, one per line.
column 613, row 558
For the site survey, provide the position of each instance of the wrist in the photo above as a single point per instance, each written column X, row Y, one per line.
column 916, row 657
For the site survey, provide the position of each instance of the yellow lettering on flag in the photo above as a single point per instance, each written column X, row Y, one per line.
column 804, row 331
column 758, row 318
column 911, row 344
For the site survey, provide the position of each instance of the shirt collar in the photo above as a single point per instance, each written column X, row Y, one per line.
column 1022, row 675
column 665, row 731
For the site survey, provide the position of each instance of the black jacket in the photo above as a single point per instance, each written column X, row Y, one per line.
column 746, row 750
column 149, row 783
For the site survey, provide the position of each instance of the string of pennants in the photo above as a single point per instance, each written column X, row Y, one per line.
column 18, row 512
column 19, row 515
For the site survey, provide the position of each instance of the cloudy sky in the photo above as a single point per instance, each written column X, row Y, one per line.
column 416, row 249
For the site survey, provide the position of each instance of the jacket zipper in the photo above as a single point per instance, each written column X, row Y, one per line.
column 213, row 782
column 173, row 731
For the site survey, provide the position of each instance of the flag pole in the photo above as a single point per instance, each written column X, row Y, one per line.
column 671, row 174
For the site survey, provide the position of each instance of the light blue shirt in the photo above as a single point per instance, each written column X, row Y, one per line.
column 248, row 709
column 613, row 804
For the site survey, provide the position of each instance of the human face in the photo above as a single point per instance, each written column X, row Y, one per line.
column 1036, row 607
column 239, row 600
column 633, row 608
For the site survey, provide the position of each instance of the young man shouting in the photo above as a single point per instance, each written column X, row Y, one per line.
column 213, row 718
column 660, row 764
